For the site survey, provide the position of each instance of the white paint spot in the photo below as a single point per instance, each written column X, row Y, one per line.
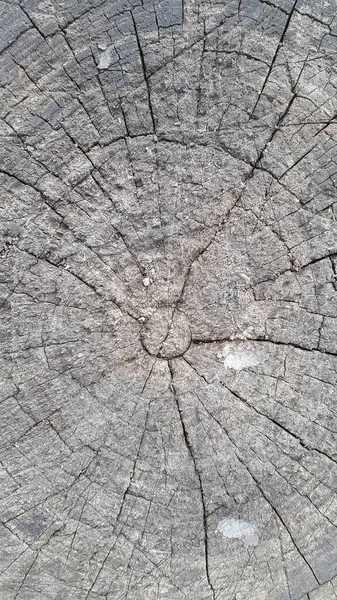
column 146, row 281
column 239, row 358
column 238, row 529
column 104, row 59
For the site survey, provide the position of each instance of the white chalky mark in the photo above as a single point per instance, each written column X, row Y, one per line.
column 105, row 59
column 238, row 529
column 239, row 359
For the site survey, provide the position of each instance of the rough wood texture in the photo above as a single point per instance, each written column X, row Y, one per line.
column 168, row 300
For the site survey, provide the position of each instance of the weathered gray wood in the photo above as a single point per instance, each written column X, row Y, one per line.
column 168, row 284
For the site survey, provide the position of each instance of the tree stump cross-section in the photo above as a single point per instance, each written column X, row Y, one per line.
column 168, row 300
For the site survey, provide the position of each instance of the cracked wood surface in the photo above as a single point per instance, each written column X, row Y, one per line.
column 168, row 282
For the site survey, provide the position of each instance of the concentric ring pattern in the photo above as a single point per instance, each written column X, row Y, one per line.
column 168, row 285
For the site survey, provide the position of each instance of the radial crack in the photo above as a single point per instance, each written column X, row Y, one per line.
column 198, row 476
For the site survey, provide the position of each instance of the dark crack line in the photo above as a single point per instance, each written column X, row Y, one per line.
column 274, row 509
column 198, row 341
column 274, row 58
column 198, row 475
column 279, row 516
column 275, row 422
column 8, row 47
column 146, row 79
column 81, row 279
column 121, row 508
column 62, row 217
column 192, row 45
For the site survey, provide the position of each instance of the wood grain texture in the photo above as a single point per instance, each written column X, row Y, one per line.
column 168, row 281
